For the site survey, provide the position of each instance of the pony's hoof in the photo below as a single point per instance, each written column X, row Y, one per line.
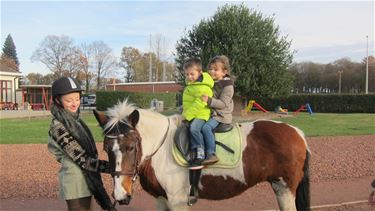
column 192, row 200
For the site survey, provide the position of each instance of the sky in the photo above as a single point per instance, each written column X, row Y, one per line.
column 320, row 31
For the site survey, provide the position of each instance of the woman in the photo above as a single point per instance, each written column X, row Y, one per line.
column 72, row 143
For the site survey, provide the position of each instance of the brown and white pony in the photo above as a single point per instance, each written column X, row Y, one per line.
column 139, row 143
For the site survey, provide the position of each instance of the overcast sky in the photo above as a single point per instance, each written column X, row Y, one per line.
column 320, row 31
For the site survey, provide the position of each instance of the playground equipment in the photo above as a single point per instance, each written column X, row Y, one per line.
column 305, row 107
column 252, row 104
column 281, row 110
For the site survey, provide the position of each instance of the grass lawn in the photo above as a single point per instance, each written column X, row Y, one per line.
column 323, row 124
column 23, row 131
column 35, row 131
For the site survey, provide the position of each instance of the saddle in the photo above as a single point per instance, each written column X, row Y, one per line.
column 228, row 145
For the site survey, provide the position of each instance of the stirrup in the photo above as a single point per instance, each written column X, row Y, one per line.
column 192, row 200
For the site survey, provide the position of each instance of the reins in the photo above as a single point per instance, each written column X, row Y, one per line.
column 164, row 138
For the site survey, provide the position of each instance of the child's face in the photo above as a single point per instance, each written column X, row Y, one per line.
column 71, row 101
column 192, row 73
column 217, row 71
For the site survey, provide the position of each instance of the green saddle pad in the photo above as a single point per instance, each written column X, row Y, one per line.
column 232, row 139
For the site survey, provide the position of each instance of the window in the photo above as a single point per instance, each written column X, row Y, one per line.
column 6, row 91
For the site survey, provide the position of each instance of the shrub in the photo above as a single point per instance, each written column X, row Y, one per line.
column 325, row 103
column 107, row 99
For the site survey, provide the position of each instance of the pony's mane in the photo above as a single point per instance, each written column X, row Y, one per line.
column 119, row 113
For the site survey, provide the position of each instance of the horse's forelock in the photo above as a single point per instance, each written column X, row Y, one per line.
column 119, row 113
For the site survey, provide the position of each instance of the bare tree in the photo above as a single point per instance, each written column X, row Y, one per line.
column 9, row 62
column 34, row 78
column 74, row 62
column 103, row 60
column 129, row 58
column 58, row 54
column 157, row 46
column 86, row 58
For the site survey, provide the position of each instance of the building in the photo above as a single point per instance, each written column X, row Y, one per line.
column 39, row 97
column 9, row 82
column 146, row 87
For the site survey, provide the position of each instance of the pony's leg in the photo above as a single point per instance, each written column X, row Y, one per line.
column 178, row 201
column 284, row 195
column 162, row 204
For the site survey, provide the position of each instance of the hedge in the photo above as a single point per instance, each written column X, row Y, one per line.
column 325, row 103
column 107, row 99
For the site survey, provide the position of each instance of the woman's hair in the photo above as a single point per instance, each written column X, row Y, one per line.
column 222, row 59
column 193, row 62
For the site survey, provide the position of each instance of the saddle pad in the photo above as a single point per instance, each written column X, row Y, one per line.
column 232, row 139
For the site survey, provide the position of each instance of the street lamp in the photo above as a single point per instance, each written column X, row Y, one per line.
column 340, row 72
column 366, row 86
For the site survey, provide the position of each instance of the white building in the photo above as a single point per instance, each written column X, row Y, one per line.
column 9, row 78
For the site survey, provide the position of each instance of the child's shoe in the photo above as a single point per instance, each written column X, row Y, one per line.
column 211, row 159
column 197, row 161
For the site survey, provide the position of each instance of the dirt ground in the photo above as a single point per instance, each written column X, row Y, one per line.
column 342, row 169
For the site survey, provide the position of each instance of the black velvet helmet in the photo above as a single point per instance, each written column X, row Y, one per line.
column 65, row 85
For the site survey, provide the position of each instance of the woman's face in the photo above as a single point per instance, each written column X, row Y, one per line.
column 71, row 101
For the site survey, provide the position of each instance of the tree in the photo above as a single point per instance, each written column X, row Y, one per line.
column 38, row 79
column 324, row 78
column 59, row 54
column 136, row 66
column 371, row 72
column 86, row 57
column 129, row 58
column 8, row 62
column 9, row 51
column 259, row 56
column 103, row 60
column 34, row 78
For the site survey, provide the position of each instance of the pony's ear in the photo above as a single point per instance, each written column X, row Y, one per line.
column 101, row 118
column 134, row 118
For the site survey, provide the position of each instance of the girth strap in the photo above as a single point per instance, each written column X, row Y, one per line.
column 225, row 147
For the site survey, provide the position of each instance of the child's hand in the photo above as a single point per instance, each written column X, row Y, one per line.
column 204, row 98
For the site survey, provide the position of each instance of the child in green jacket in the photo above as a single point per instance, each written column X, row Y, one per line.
column 195, row 110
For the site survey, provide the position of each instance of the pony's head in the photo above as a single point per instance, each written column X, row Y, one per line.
column 122, row 142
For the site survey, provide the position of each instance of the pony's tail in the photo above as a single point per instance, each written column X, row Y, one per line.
column 303, row 189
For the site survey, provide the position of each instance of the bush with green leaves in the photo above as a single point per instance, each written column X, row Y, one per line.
column 326, row 103
column 260, row 56
column 107, row 99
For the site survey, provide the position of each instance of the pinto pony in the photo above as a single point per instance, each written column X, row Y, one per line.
column 139, row 143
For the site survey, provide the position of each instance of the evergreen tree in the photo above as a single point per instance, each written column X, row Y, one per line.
column 9, row 50
column 259, row 56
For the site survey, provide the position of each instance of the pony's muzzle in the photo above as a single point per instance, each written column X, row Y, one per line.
column 126, row 200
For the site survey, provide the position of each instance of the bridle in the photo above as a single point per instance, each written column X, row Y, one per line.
column 134, row 173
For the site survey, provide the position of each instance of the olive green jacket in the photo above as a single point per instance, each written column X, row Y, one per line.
column 72, row 183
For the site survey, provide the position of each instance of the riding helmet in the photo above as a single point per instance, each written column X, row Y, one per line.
column 65, row 85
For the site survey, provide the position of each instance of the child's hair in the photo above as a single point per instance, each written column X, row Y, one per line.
column 193, row 62
column 222, row 59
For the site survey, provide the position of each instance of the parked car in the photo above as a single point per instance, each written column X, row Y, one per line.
column 91, row 100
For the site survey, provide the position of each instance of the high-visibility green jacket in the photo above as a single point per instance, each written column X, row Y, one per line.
column 192, row 104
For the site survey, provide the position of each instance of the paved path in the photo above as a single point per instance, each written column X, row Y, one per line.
column 326, row 196
column 11, row 114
